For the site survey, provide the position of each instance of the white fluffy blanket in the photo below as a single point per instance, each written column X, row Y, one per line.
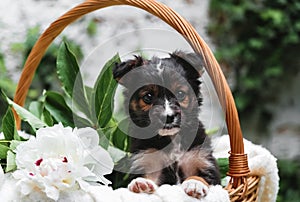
column 261, row 163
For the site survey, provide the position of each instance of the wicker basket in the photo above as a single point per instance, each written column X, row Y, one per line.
column 242, row 186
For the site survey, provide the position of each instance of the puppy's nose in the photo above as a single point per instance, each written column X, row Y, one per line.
column 169, row 119
column 166, row 119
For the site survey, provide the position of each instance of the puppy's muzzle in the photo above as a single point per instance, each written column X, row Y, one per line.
column 170, row 122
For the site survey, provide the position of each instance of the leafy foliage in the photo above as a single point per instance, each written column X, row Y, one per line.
column 25, row 116
column 9, row 128
column 7, row 86
column 223, row 164
column 104, row 93
column 74, row 107
column 92, row 27
column 289, row 173
column 6, row 82
column 3, row 107
column 259, row 42
column 46, row 77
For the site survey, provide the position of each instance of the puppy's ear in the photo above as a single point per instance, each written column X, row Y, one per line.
column 192, row 62
column 123, row 68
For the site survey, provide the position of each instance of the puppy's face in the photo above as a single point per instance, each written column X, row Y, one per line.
column 162, row 94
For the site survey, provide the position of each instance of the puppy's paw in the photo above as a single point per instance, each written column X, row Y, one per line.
column 195, row 188
column 142, row 185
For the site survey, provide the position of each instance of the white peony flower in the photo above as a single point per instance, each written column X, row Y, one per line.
column 61, row 159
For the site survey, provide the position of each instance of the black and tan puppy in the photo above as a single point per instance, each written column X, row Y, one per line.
column 168, row 142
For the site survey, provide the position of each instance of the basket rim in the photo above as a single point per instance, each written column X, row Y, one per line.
column 182, row 27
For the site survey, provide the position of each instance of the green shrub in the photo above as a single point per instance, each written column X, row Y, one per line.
column 289, row 173
column 258, row 42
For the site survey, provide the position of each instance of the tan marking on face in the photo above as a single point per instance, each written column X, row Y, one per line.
column 133, row 105
column 179, row 87
column 143, row 106
column 153, row 89
column 185, row 102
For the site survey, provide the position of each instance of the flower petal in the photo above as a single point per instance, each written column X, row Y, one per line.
column 101, row 161
column 52, row 192
column 89, row 137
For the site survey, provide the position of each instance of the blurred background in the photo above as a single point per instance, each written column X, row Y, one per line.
column 257, row 44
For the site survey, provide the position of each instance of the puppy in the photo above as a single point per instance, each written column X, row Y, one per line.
column 168, row 142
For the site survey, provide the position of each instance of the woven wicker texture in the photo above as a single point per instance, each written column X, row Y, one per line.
column 242, row 187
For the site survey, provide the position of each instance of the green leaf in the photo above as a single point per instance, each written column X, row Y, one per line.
column 3, row 69
column 27, row 116
column 47, row 118
column 8, row 124
column 119, row 137
column 273, row 71
column 103, row 140
column 115, row 153
column 275, row 15
column 82, row 122
column 69, row 74
column 223, row 164
column 251, row 82
column 14, row 143
column 104, row 92
column 11, row 161
column 241, row 101
column 212, row 131
column 92, row 28
column 3, row 150
column 36, row 108
column 4, row 106
column 89, row 94
column 58, row 108
column 256, row 43
column 7, row 84
column 67, row 68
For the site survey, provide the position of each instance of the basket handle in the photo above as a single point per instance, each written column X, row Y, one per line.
column 238, row 160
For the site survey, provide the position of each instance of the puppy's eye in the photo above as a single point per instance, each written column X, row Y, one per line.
column 148, row 98
column 180, row 95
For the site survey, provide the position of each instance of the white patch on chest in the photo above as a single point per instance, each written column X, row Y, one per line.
column 176, row 153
